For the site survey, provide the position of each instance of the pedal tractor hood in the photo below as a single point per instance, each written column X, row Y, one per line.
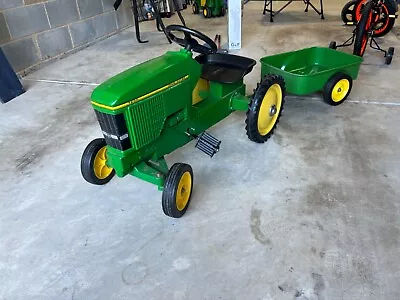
column 145, row 79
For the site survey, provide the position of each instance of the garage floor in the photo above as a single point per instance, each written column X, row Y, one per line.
column 312, row 214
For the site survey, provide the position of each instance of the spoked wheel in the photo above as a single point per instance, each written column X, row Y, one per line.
column 383, row 22
column 265, row 108
column 337, row 89
column 177, row 190
column 363, row 30
column 348, row 12
column 94, row 166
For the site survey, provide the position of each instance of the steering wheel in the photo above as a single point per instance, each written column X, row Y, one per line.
column 188, row 42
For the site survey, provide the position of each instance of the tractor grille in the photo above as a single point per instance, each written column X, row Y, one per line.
column 114, row 130
column 148, row 119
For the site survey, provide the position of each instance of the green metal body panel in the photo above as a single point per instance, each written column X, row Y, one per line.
column 214, row 5
column 307, row 70
column 155, row 99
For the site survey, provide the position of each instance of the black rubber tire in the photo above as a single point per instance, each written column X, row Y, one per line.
column 171, row 188
column 195, row 8
column 362, row 30
column 87, row 162
column 207, row 12
column 255, row 105
column 387, row 29
column 332, row 45
column 327, row 92
column 222, row 12
column 391, row 9
column 349, row 10
column 389, row 56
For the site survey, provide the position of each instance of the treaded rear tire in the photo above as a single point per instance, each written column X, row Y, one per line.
column 252, row 114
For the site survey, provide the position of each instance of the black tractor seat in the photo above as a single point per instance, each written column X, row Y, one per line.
column 225, row 68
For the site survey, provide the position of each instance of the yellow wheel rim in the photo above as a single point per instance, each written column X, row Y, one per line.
column 183, row 191
column 205, row 12
column 269, row 110
column 100, row 168
column 340, row 90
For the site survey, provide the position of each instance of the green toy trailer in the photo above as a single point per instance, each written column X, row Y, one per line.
column 315, row 69
column 210, row 8
column 149, row 110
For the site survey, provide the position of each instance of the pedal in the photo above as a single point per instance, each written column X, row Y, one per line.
column 208, row 144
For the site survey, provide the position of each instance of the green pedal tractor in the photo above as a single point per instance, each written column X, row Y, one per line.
column 150, row 110
column 210, row 8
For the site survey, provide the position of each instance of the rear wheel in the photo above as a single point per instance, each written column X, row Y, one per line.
column 348, row 12
column 384, row 23
column 265, row 108
column 94, row 166
column 177, row 190
column 362, row 30
column 223, row 12
column 337, row 89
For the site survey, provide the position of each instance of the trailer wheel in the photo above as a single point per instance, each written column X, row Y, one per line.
column 195, row 8
column 206, row 12
column 177, row 190
column 94, row 166
column 337, row 89
column 265, row 108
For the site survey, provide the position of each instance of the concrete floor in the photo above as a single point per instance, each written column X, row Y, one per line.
column 312, row 214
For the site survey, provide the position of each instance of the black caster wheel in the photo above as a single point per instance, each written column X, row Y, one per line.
column 389, row 56
column 333, row 45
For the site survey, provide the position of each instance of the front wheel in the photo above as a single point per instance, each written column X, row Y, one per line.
column 195, row 8
column 94, row 166
column 177, row 190
column 363, row 30
column 206, row 12
column 265, row 108
column 337, row 89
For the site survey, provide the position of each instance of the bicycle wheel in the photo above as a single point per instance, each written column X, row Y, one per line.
column 383, row 23
column 363, row 29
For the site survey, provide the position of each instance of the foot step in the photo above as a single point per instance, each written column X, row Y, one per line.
column 208, row 144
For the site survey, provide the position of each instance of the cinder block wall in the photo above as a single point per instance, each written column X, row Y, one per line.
column 32, row 31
